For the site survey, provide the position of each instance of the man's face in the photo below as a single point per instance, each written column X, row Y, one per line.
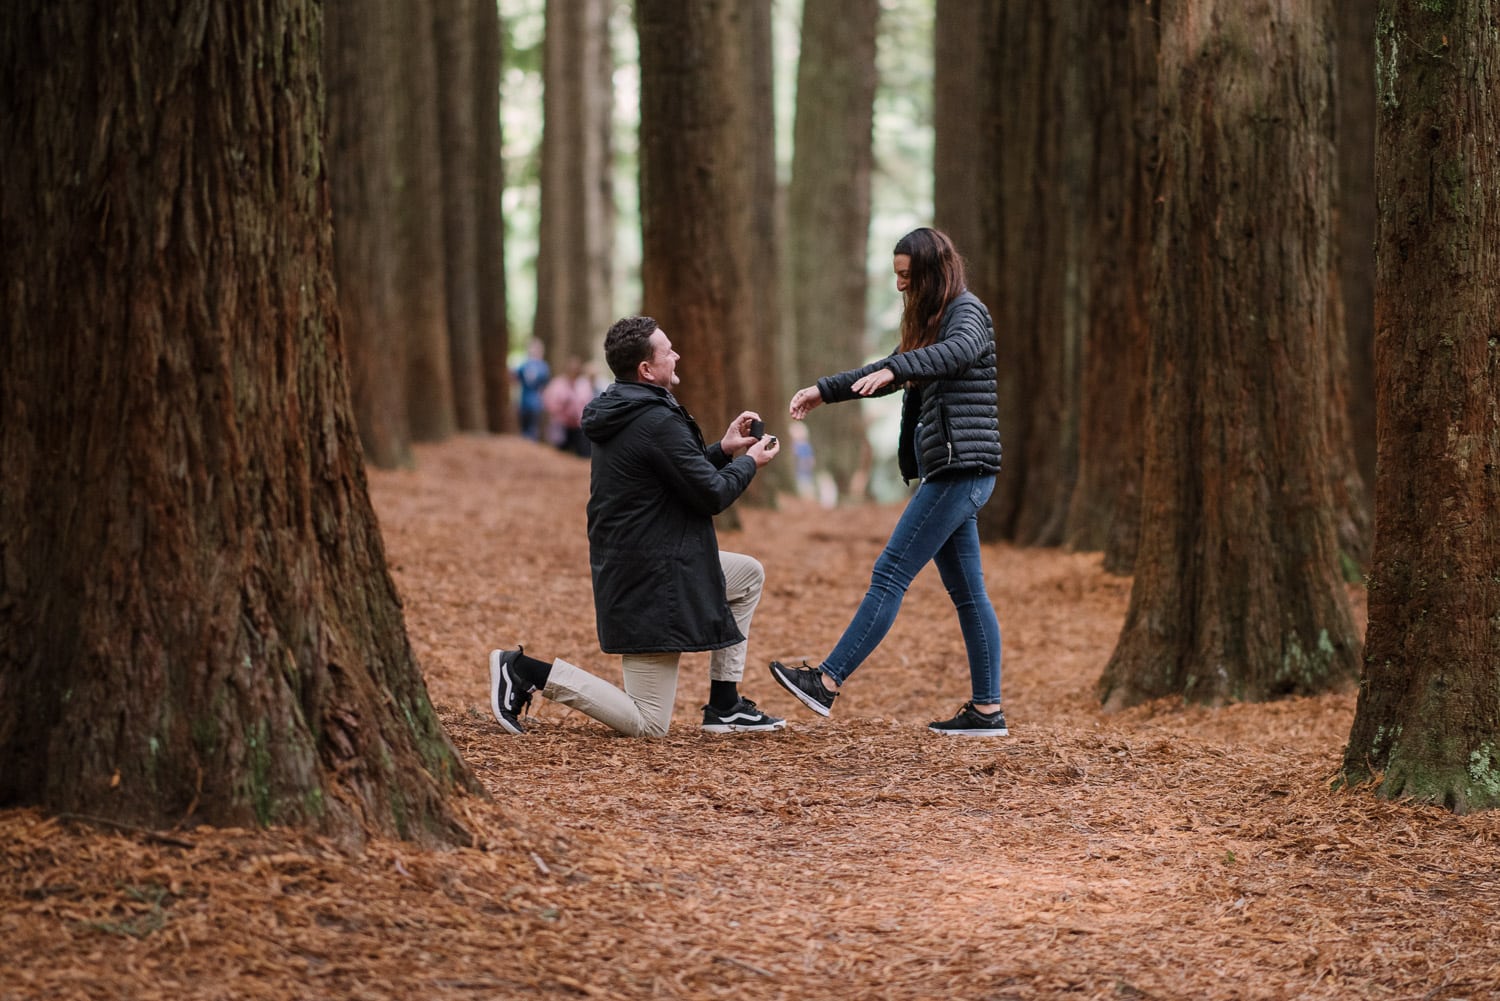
column 661, row 369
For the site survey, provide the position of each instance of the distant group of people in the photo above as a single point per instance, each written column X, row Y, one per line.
column 663, row 588
column 551, row 406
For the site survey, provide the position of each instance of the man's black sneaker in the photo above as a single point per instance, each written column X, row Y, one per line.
column 970, row 722
column 508, row 694
column 806, row 684
column 743, row 718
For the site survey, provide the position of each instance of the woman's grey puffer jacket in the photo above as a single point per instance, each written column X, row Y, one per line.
column 950, row 393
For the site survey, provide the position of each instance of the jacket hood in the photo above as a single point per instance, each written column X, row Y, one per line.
column 618, row 405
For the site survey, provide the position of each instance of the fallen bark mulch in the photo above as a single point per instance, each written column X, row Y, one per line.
column 1164, row 852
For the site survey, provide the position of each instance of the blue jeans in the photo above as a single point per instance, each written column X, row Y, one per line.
column 940, row 525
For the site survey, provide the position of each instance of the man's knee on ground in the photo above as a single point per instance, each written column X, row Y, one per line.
column 648, row 728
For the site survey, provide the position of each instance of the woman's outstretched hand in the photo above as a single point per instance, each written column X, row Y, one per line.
column 805, row 400
column 869, row 385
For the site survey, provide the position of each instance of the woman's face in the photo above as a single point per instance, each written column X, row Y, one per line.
column 903, row 272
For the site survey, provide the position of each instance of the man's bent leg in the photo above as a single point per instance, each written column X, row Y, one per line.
column 643, row 709
column 651, row 682
column 744, row 578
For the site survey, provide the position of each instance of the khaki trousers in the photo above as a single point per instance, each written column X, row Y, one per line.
column 644, row 707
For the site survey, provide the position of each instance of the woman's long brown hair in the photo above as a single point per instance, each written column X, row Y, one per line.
column 936, row 279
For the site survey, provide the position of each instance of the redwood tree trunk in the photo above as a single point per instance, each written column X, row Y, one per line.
column 419, row 236
column 1037, row 335
column 453, row 27
column 828, row 216
column 1115, row 264
column 1356, row 153
column 962, row 135
column 574, row 237
column 363, row 102
column 1428, row 721
column 757, row 356
column 1238, row 593
column 196, row 620
column 489, row 236
column 703, row 140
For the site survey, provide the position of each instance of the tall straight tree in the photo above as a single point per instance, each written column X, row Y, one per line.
column 363, row 97
column 453, row 38
column 757, row 356
column 1115, row 268
column 196, row 620
column 1238, row 593
column 828, row 214
column 1029, row 113
column 1352, row 377
column 423, row 301
column 963, row 138
column 1356, row 153
column 1427, row 725
column 489, row 221
column 707, row 152
column 575, row 238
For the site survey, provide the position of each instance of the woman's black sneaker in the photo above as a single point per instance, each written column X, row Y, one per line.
column 970, row 722
column 806, row 684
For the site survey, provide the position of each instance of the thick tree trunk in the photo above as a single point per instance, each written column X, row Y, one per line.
column 196, row 621
column 1105, row 509
column 1353, row 374
column 828, row 216
column 1037, row 329
column 704, row 139
column 363, row 98
column 419, row 237
column 757, row 356
column 1238, row 593
column 1356, row 153
column 1427, row 725
column 962, row 137
column 573, row 268
column 494, row 331
column 452, row 27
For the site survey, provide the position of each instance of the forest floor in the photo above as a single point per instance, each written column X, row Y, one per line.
column 1162, row 852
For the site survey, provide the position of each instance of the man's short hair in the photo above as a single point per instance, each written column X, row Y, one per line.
column 627, row 344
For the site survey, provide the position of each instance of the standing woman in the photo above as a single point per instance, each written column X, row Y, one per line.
column 950, row 441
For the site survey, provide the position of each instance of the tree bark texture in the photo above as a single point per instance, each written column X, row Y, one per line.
column 705, row 141
column 489, row 236
column 1121, row 108
column 1356, row 153
column 757, row 357
column 196, row 620
column 419, row 237
column 1032, row 103
column 963, row 154
column 828, row 215
column 1238, row 593
column 575, row 239
column 1427, row 725
column 363, row 98
column 453, row 27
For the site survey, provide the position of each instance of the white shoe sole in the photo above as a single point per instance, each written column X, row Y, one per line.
column 497, row 679
column 743, row 728
column 971, row 733
column 803, row 697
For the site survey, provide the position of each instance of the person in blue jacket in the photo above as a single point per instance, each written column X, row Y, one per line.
column 532, row 376
column 661, row 585
column 950, row 442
